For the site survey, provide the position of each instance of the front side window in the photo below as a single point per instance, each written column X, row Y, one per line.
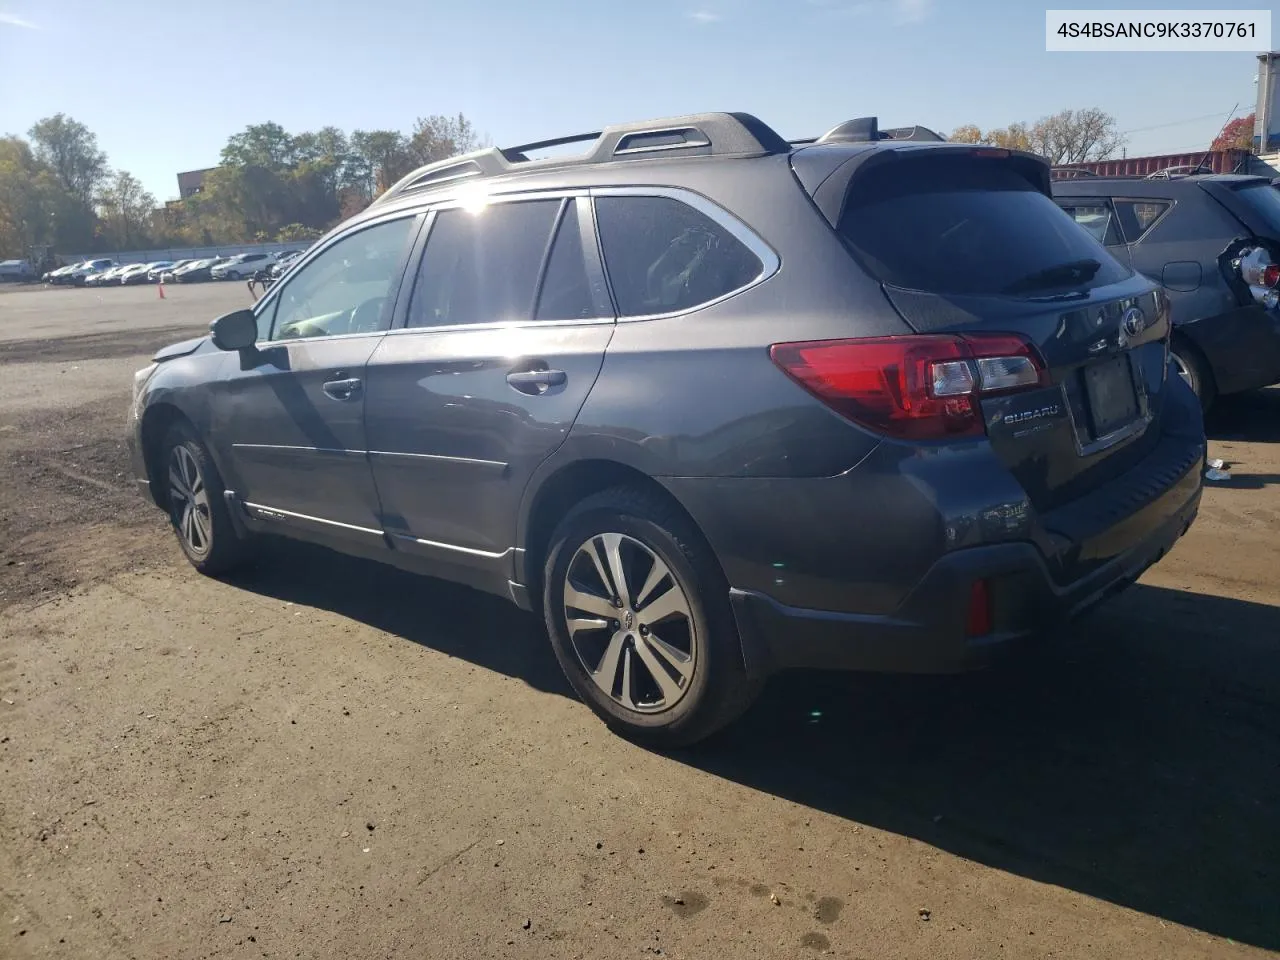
column 348, row 288
column 664, row 256
column 482, row 266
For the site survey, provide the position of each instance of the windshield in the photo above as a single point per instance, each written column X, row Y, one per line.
column 969, row 226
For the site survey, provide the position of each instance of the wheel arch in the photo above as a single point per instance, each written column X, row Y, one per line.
column 157, row 420
column 547, row 502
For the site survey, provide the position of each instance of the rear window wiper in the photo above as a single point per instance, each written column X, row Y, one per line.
column 1059, row 275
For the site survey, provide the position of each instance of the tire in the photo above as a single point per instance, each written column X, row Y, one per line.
column 197, row 507
column 1191, row 366
column 705, row 686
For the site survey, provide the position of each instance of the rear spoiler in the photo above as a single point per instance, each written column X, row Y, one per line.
column 826, row 177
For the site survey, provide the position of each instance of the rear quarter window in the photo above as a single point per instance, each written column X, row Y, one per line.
column 968, row 226
column 663, row 256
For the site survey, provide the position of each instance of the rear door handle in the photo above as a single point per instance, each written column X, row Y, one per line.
column 342, row 389
column 536, row 381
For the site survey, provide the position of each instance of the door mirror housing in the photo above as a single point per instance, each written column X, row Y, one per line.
column 237, row 330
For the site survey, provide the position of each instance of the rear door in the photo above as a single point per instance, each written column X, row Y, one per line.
column 505, row 334
column 971, row 242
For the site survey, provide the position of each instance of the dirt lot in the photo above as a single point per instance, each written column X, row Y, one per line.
column 326, row 758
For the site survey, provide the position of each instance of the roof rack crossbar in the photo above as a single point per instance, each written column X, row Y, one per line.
column 524, row 148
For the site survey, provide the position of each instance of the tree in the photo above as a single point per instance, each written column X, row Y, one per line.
column 126, row 210
column 382, row 157
column 1072, row 136
column 71, row 150
column 264, row 145
column 438, row 138
column 1236, row 135
column 1076, row 136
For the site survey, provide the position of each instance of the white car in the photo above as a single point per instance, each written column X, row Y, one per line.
column 105, row 277
column 243, row 265
column 85, row 270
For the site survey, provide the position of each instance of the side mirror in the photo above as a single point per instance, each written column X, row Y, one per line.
column 235, row 331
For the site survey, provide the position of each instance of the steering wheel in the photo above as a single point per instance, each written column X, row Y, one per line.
column 367, row 317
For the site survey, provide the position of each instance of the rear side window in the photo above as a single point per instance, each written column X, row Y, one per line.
column 968, row 226
column 1097, row 219
column 664, row 256
column 482, row 266
column 1137, row 216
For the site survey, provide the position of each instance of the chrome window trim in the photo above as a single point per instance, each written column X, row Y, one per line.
column 770, row 262
column 318, row 248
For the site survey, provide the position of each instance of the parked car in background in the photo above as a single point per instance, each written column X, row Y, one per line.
column 283, row 262
column 1213, row 242
column 107, row 276
column 165, row 271
column 242, row 266
column 52, row 276
column 863, row 402
column 16, row 271
column 198, row 270
column 144, row 272
column 127, row 274
column 79, row 274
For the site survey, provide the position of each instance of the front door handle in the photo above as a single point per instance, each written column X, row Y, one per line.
column 536, row 381
column 342, row 389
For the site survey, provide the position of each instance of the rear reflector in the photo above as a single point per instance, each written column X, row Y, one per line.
column 978, row 623
column 1271, row 275
column 913, row 387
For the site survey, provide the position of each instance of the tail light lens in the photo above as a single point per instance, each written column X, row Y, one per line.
column 978, row 622
column 913, row 387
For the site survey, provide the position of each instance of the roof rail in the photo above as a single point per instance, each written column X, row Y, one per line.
column 867, row 130
column 702, row 134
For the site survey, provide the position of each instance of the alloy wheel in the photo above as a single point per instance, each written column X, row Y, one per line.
column 189, row 501
column 630, row 623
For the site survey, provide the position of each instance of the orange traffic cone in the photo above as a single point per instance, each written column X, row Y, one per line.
column 161, row 289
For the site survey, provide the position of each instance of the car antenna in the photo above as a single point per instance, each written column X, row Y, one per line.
column 1215, row 137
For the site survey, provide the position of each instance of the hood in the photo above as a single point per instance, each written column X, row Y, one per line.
column 175, row 350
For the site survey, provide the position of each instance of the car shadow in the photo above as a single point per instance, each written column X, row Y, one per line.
column 1252, row 416
column 1135, row 760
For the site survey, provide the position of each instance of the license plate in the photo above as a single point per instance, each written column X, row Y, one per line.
column 1112, row 399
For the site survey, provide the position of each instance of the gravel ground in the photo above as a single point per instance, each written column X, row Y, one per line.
column 357, row 763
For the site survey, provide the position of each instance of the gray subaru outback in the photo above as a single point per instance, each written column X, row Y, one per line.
column 712, row 403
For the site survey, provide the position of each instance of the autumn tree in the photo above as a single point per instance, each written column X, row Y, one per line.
column 1071, row 136
column 1236, row 135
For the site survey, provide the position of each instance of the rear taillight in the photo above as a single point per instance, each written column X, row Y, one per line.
column 1262, row 276
column 913, row 387
column 978, row 622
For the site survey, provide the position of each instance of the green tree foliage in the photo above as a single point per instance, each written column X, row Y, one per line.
column 57, row 189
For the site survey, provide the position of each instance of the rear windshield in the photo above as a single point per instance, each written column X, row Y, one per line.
column 1264, row 198
column 969, row 226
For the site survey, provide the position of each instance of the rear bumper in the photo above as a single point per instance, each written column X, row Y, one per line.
column 926, row 633
column 1242, row 347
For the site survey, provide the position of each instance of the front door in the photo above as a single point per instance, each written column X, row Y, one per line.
column 505, row 333
column 290, row 414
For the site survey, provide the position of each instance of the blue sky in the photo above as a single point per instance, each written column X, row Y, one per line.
column 163, row 84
